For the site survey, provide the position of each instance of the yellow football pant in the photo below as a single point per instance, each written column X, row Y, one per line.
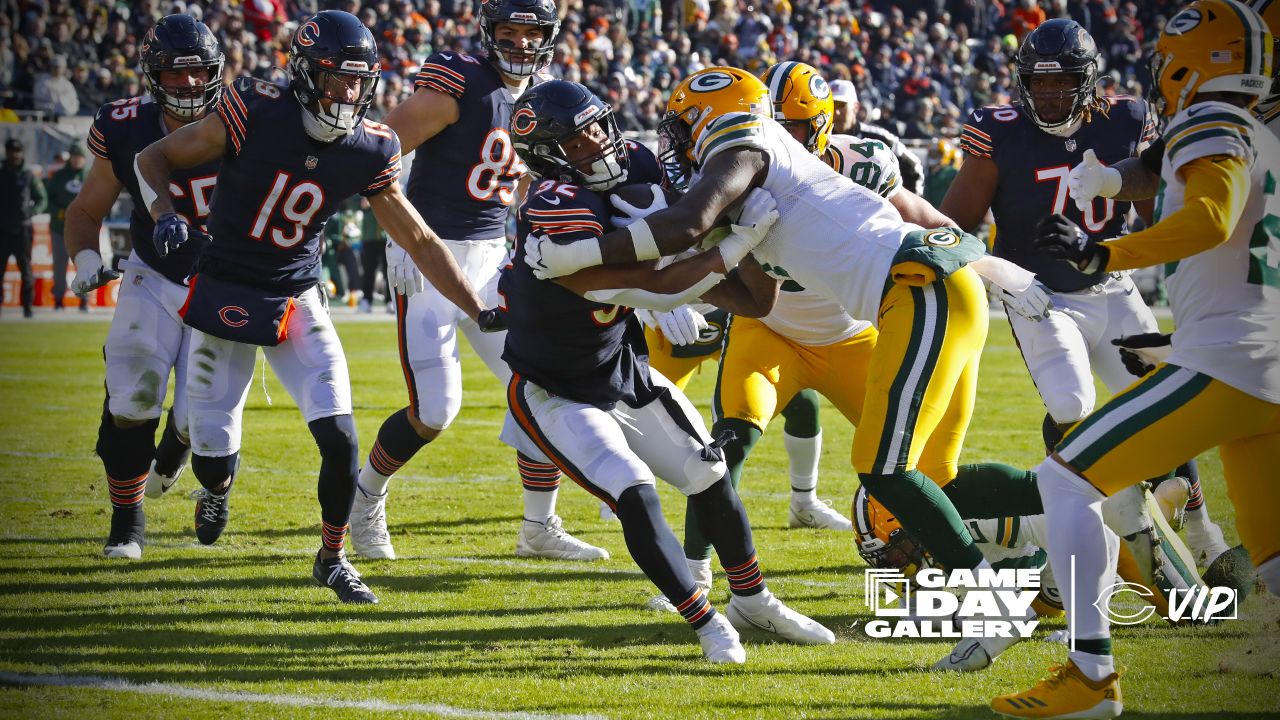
column 1169, row 417
column 761, row 371
column 679, row 370
column 923, row 378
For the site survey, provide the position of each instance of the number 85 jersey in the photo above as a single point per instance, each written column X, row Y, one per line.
column 464, row 177
column 278, row 186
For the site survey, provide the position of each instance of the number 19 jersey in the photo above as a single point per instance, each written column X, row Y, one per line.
column 1226, row 301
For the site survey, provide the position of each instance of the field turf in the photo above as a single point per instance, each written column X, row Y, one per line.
column 466, row 629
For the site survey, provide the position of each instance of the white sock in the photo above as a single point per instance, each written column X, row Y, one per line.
column 1079, row 544
column 1096, row 667
column 1269, row 574
column 803, row 454
column 539, row 505
column 371, row 482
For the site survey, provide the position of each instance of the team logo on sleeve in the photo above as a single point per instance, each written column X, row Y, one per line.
column 311, row 162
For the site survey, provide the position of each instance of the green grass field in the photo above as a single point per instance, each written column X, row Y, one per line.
column 466, row 629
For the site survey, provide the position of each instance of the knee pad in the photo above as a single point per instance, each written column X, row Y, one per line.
column 126, row 452
column 213, row 471
column 336, row 438
column 1069, row 407
column 437, row 408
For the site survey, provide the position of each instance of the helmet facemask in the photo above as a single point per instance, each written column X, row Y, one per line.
column 514, row 61
column 604, row 169
column 675, row 150
column 1071, row 103
column 189, row 102
column 335, row 99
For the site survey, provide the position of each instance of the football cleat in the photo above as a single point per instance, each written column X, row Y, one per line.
column 369, row 536
column 551, row 541
column 158, row 484
column 973, row 654
column 1066, row 693
column 720, row 642
column 212, row 513
column 820, row 515
column 364, row 307
column 128, row 532
column 766, row 613
column 339, row 576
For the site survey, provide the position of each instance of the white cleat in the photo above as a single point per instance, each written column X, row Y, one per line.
column 124, row 551
column 766, row 613
column 369, row 536
column 551, row 541
column 158, row 484
column 974, row 654
column 820, row 515
column 720, row 643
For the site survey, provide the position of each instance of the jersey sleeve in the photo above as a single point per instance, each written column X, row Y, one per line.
column 731, row 130
column 976, row 135
column 1209, row 129
column 99, row 132
column 389, row 144
column 233, row 110
column 444, row 73
column 565, row 213
column 927, row 256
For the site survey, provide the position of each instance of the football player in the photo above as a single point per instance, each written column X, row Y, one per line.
column 1016, row 165
column 290, row 158
column 1220, row 386
column 182, row 68
column 852, row 247
column 582, row 394
column 458, row 119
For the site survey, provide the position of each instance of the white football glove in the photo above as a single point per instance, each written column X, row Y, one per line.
column 682, row 326
column 549, row 259
column 90, row 273
column 759, row 213
column 631, row 213
column 402, row 274
column 1090, row 179
column 1032, row 303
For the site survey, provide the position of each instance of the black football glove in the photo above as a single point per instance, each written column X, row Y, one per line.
column 171, row 232
column 492, row 320
column 1141, row 353
column 1060, row 238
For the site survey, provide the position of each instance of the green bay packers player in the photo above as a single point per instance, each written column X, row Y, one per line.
column 1220, row 385
column 851, row 247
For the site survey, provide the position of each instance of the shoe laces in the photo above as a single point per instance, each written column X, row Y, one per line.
column 342, row 572
column 210, row 505
column 1057, row 675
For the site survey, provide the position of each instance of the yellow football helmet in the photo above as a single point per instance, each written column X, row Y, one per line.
column 699, row 99
column 1211, row 46
column 1269, row 107
column 881, row 539
column 801, row 97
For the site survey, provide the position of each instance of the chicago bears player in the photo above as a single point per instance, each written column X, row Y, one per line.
column 1220, row 385
column 182, row 67
column 1018, row 159
column 458, row 120
column 288, row 163
column 582, row 394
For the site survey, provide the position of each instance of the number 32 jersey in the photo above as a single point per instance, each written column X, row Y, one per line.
column 278, row 186
column 121, row 130
column 464, row 177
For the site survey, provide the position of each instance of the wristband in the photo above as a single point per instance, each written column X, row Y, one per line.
column 733, row 249
column 149, row 196
column 642, row 241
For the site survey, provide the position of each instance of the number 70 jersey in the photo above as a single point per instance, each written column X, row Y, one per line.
column 1226, row 300
column 464, row 177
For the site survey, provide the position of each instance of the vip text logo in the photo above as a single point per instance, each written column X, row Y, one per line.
column 1193, row 604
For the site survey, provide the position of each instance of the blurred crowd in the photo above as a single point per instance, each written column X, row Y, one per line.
column 918, row 65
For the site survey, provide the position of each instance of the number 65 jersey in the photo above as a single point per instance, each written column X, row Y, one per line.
column 120, row 131
column 1226, row 300
column 464, row 177
column 278, row 186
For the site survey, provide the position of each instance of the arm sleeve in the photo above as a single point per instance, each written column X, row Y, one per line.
column 1153, row 156
column 1216, row 194
column 736, row 129
column 974, row 138
column 565, row 219
column 647, row 300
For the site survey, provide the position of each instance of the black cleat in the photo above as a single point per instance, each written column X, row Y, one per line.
column 212, row 512
column 128, row 533
column 339, row 576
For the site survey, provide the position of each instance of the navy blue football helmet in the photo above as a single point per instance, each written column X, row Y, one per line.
column 333, row 72
column 549, row 116
column 180, row 42
column 1058, row 46
column 542, row 13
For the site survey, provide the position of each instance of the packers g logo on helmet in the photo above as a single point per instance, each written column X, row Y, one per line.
column 710, row 81
column 882, row 541
column 1183, row 21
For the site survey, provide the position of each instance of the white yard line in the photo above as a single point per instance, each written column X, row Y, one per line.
column 298, row 701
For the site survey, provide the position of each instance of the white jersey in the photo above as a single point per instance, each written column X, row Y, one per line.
column 833, row 237
column 1226, row 301
column 870, row 163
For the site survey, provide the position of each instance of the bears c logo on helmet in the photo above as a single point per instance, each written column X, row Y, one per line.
column 523, row 121
column 308, row 33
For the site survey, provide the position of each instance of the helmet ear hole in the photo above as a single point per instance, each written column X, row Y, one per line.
column 1178, row 74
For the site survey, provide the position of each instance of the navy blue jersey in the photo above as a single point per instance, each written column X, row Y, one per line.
column 464, row 178
column 121, row 130
column 278, row 187
column 585, row 351
column 1033, row 167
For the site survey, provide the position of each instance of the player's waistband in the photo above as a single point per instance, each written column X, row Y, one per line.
column 1099, row 288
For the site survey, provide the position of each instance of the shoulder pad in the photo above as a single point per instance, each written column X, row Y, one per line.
column 1206, row 129
column 564, row 212
column 734, row 129
column 447, row 73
